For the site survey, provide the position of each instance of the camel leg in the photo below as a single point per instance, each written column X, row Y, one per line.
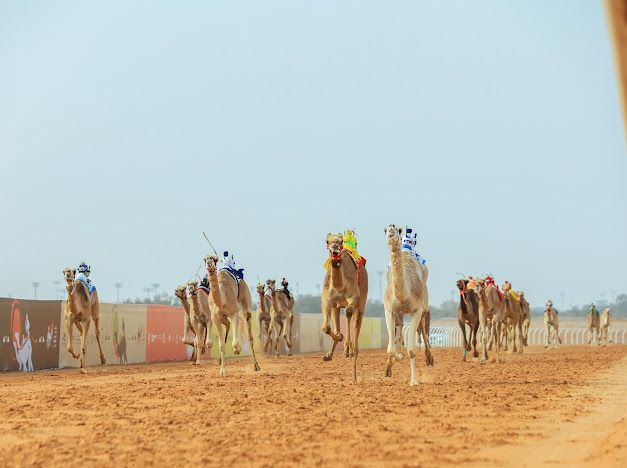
column 335, row 313
column 69, row 328
column 96, row 319
column 355, row 345
column 221, row 343
column 208, row 327
column 498, row 328
column 237, row 348
column 519, row 332
column 484, row 339
column 348, row 344
column 473, row 331
column 186, row 330
column 287, row 334
column 84, row 346
column 329, row 311
column 425, row 339
column 198, row 339
column 462, row 325
column 250, row 337
column 411, row 346
column 391, row 326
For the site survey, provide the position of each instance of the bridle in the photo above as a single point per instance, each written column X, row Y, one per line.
column 336, row 259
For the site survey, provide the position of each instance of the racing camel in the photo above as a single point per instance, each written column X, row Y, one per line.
column 405, row 293
column 227, row 299
column 345, row 287
column 80, row 309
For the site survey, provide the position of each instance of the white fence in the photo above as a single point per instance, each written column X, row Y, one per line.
column 445, row 336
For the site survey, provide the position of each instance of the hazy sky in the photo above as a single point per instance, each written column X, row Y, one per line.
column 493, row 128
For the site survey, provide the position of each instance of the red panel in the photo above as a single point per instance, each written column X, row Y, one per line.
column 164, row 331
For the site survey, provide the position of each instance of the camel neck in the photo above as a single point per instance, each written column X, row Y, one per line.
column 71, row 300
column 396, row 269
column 215, row 288
column 262, row 303
column 337, row 274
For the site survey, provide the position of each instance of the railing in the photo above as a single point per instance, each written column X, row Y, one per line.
column 445, row 336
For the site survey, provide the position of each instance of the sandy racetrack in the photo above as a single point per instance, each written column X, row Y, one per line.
column 303, row 411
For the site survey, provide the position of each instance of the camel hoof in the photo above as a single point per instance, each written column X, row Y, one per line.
column 222, row 372
column 413, row 383
column 103, row 361
column 257, row 368
column 83, row 370
column 388, row 371
column 429, row 360
column 327, row 357
column 195, row 363
column 290, row 353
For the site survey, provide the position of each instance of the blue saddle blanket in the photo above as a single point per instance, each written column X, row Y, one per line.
column 237, row 275
column 88, row 284
column 416, row 255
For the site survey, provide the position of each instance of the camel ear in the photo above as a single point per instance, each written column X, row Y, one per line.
column 400, row 231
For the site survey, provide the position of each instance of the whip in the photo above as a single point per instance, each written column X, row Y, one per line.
column 209, row 242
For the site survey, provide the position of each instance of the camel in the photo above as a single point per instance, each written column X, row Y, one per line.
column 593, row 324
column 345, row 287
column 468, row 314
column 512, row 318
column 490, row 317
column 263, row 315
column 604, row 325
column 181, row 293
column 80, row 310
column 406, row 293
column 552, row 323
column 282, row 317
column 525, row 317
column 200, row 319
column 227, row 299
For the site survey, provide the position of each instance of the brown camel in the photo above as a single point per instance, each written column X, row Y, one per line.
column 525, row 317
column 229, row 298
column 181, row 293
column 552, row 323
column 490, row 315
column 282, row 317
column 512, row 318
column 604, row 334
column 468, row 314
column 593, row 324
column 80, row 310
column 345, row 287
column 199, row 318
column 263, row 315
column 405, row 293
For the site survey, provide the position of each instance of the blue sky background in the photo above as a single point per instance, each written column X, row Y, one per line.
column 493, row 128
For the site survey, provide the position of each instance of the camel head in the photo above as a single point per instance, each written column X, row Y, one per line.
column 335, row 245
column 181, row 292
column 461, row 285
column 549, row 304
column 192, row 287
column 68, row 275
column 393, row 235
column 211, row 263
column 521, row 296
column 507, row 286
column 271, row 283
column 480, row 285
column 261, row 289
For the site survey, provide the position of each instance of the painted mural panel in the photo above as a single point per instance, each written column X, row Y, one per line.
column 122, row 336
column 29, row 333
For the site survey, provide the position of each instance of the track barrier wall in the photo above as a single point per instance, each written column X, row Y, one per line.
column 34, row 336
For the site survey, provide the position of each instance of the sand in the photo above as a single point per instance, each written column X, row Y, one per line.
column 532, row 409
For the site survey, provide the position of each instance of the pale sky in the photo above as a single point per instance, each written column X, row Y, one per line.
column 493, row 128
